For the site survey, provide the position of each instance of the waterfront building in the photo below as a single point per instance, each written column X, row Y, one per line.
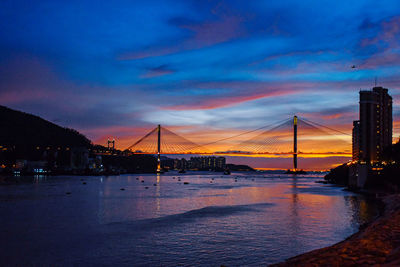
column 201, row 163
column 356, row 141
column 180, row 164
column 372, row 134
column 220, row 163
column 375, row 126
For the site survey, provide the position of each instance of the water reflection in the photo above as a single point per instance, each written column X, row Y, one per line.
column 158, row 190
column 363, row 209
column 295, row 219
column 241, row 220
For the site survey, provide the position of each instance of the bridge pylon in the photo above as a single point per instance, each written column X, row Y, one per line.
column 159, row 170
column 295, row 143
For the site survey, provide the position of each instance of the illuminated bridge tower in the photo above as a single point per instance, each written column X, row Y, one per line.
column 159, row 170
column 111, row 142
column 294, row 143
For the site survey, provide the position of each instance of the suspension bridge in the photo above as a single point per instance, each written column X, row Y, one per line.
column 294, row 137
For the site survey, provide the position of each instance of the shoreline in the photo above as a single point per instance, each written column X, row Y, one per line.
column 376, row 243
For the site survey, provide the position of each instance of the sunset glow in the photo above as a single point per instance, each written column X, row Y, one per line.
column 205, row 70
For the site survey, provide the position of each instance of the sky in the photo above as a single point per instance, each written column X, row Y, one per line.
column 203, row 69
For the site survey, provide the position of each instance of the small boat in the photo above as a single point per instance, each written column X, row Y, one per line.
column 182, row 171
column 227, row 172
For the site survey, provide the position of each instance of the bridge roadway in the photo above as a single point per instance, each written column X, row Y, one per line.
column 163, row 141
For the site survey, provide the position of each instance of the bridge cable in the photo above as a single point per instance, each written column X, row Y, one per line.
column 257, row 146
column 320, row 125
column 141, row 139
column 237, row 135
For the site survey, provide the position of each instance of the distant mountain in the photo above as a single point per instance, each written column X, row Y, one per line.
column 23, row 129
column 235, row 167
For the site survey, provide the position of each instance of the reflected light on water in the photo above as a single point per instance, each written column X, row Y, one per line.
column 194, row 219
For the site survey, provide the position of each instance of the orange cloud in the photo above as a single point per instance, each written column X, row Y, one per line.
column 229, row 100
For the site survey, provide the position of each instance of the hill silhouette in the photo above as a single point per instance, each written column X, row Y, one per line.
column 23, row 129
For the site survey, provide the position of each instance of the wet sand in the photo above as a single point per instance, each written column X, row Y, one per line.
column 377, row 244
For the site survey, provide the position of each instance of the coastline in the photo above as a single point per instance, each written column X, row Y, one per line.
column 377, row 243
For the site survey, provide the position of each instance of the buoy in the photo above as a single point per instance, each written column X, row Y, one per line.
column 146, row 187
column 68, row 193
column 185, row 182
column 155, row 184
column 142, row 181
column 122, row 189
column 84, row 183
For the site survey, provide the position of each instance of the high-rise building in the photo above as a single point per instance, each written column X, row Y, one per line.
column 356, row 140
column 221, row 163
column 375, row 130
column 201, row 163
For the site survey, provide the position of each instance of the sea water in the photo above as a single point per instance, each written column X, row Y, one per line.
column 191, row 219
